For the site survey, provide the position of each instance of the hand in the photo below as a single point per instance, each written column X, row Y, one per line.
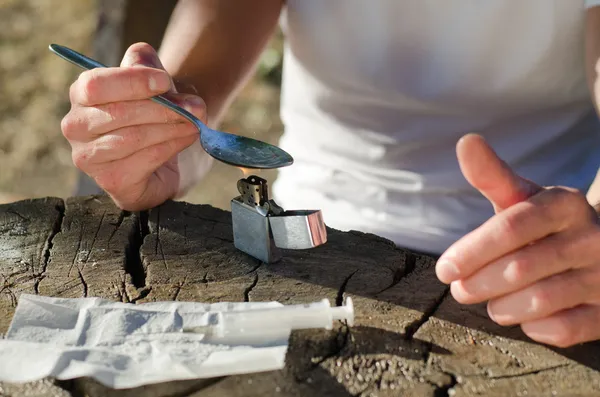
column 537, row 261
column 128, row 144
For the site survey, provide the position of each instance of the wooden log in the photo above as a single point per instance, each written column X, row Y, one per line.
column 410, row 337
column 27, row 229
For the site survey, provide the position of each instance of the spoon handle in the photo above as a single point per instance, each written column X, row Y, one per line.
column 88, row 63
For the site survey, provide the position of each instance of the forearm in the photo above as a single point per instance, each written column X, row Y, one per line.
column 592, row 64
column 214, row 45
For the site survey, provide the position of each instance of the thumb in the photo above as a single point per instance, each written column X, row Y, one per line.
column 486, row 172
column 143, row 54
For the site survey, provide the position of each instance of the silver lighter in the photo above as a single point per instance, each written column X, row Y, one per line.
column 261, row 227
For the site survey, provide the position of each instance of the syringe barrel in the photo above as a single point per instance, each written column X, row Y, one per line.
column 311, row 315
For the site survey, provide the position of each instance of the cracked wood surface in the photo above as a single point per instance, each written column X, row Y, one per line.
column 410, row 337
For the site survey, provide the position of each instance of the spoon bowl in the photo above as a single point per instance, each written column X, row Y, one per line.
column 229, row 148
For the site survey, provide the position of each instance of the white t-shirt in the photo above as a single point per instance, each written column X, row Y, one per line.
column 376, row 94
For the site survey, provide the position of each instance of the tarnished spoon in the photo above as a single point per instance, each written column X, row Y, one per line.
column 232, row 149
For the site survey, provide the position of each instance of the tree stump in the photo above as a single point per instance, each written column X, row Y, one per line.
column 410, row 337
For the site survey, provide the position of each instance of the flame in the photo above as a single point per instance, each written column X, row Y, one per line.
column 246, row 171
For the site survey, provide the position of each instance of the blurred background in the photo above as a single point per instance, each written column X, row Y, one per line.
column 35, row 159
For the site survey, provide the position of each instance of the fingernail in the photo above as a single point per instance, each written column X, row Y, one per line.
column 447, row 271
column 192, row 102
column 489, row 312
column 159, row 82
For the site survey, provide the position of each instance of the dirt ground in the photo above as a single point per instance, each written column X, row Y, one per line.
column 35, row 158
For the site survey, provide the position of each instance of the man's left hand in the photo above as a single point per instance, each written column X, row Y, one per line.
column 537, row 261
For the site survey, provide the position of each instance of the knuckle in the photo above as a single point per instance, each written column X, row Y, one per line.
column 74, row 126
column 541, row 299
column 94, row 150
column 117, row 111
column 577, row 202
column 573, row 196
column 69, row 126
column 510, row 226
column 561, row 254
column 573, row 202
column 80, row 159
column 89, row 86
column 518, row 269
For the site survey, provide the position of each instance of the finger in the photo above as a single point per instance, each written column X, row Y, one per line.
column 85, row 124
column 532, row 263
column 566, row 328
column 143, row 54
column 124, row 142
column 486, row 172
column 548, row 212
column 546, row 297
column 106, row 85
column 117, row 176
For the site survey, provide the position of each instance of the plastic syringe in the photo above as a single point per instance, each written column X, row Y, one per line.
column 259, row 323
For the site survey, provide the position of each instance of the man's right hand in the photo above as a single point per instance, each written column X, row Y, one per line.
column 128, row 144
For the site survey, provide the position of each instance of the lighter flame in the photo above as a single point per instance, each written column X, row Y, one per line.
column 245, row 171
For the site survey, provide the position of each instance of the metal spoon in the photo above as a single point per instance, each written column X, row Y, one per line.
column 232, row 149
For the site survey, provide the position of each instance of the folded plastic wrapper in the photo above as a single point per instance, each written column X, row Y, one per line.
column 124, row 345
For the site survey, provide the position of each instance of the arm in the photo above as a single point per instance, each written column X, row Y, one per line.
column 140, row 153
column 213, row 45
column 592, row 63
